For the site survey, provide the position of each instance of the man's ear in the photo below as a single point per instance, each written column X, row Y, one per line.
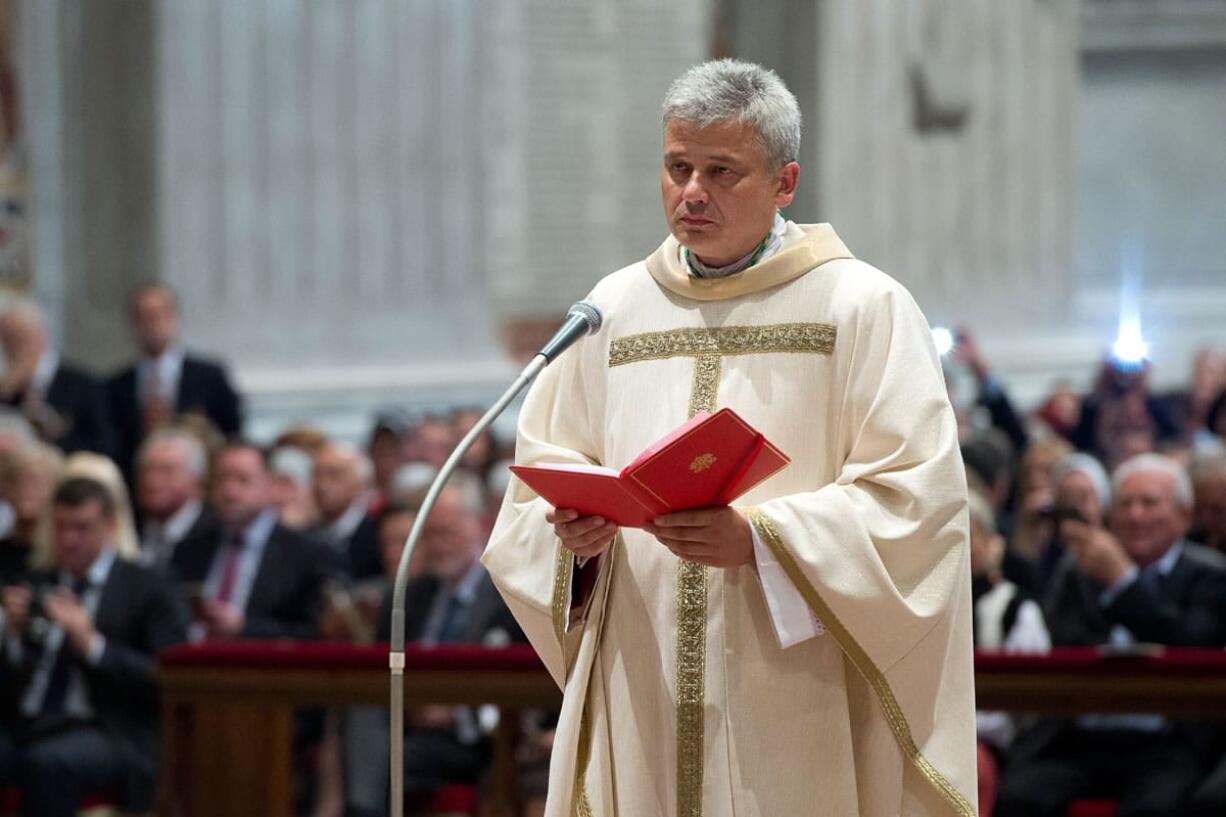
column 785, row 184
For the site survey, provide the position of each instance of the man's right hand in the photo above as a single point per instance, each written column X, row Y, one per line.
column 16, row 603
column 584, row 536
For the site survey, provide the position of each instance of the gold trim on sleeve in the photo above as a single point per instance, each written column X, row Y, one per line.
column 722, row 341
column 859, row 658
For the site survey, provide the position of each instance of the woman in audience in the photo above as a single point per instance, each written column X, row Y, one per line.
column 28, row 477
column 88, row 465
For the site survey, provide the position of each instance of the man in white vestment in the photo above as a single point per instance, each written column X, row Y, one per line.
column 807, row 651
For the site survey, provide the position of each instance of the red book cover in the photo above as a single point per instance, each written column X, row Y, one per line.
column 710, row 460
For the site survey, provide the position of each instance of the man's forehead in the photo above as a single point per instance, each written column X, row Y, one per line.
column 1148, row 483
column 726, row 139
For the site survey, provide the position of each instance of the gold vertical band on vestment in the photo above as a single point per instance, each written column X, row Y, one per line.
column 691, row 647
column 707, row 346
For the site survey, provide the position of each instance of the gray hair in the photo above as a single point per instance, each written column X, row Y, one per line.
column 730, row 90
column 1156, row 463
column 195, row 456
column 1091, row 468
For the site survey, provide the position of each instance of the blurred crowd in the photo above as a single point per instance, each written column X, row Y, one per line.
column 134, row 516
column 1097, row 520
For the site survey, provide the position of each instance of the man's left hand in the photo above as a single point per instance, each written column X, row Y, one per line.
column 66, row 610
column 1099, row 555
column 715, row 537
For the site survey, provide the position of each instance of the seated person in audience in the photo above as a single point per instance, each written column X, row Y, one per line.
column 104, row 471
column 1138, row 580
column 344, row 489
column 257, row 579
column 1209, row 509
column 452, row 602
column 291, row 468
column 1082, row 490
column 63, row 404
column 989, row 469
column 1005, row 619
column 171, row 470
column 27, row 480
column 80, row 644
column 1189, row 408
column 992, row 396
column 1121, row 418
column 386, row 447
column 1060, row 411
column 166, row 381
column 431, row 441
column 354, row 613
column 1034, row 494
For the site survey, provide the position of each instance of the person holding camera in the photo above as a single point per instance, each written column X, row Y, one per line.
column 1135, row 583
column 79, row 661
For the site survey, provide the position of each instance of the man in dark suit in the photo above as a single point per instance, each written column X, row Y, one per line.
column 167, row 381
column 453, row 601
column 258, row 579
column 171, row 469
column 1138, row 581
column 80, row 647
column 343, row 487
column 65, row 405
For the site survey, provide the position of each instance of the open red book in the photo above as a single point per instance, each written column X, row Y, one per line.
column 708, row 461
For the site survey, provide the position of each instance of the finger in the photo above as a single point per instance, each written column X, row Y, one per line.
column 580, row 527
column 683, row 548
column 602, row 534
column 560, row 515
column 691, row 536
column 592, row 550
column 683, row 519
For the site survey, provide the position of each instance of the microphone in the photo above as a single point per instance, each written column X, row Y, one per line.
column 583, row 318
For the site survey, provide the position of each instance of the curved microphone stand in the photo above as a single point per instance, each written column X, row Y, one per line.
column 582, row 319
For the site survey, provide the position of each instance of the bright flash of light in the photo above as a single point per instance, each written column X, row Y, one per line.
column 1130, row 347
column 944, row 340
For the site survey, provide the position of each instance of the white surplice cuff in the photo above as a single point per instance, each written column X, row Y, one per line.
column 793, row 620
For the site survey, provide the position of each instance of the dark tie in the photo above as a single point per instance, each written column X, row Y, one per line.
column 229, row 571
column 452, row 626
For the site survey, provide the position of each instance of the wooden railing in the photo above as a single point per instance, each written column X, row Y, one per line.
column 228, row 709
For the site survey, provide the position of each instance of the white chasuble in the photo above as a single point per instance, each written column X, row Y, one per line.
column 679, row 699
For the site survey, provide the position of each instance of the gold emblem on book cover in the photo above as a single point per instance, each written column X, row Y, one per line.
column 702, row 462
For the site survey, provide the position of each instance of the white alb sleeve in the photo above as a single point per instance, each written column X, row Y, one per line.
column 793, row 620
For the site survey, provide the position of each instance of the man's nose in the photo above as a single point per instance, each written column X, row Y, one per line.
column 694, row 191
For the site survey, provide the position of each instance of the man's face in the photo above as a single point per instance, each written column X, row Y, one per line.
column 394, row 531
column 29, row 491
column 164, row 483
column 449, row 540
column 155, row 319
column 241, row 490
column 431, row 442
column 81, row 532
column 1146, row 518
column 1076, row 490
column 337, row 483
column 720, row 195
